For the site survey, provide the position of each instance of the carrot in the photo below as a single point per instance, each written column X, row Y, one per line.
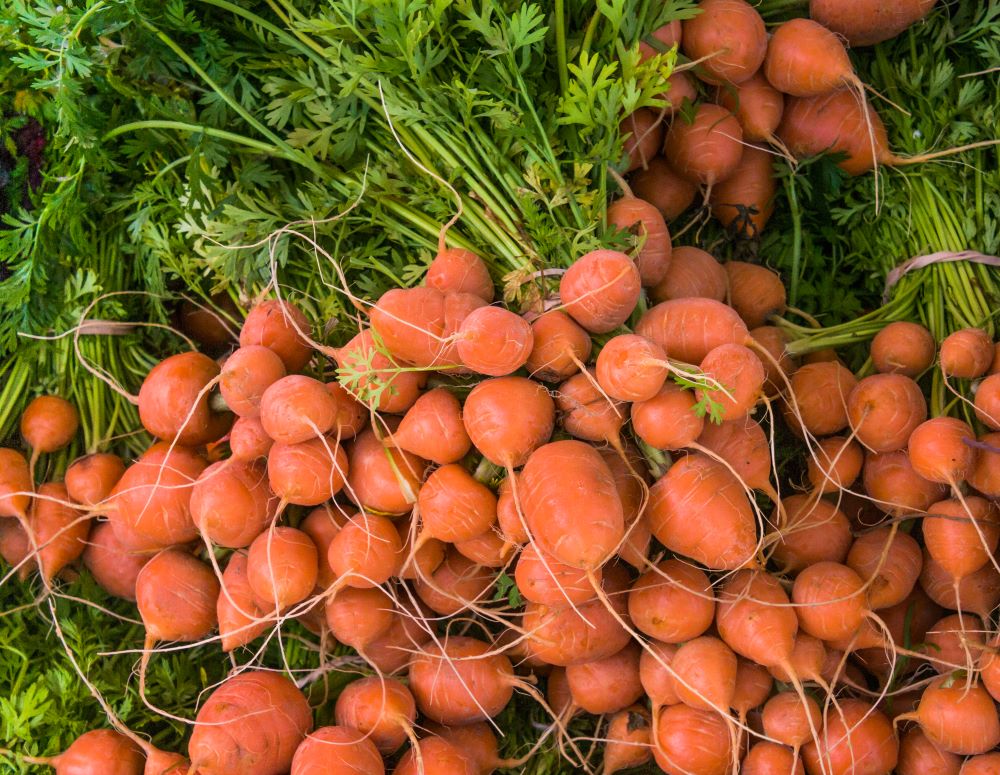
column 985, row 471
column 989, row 666
column 352, row 415
column 690, row 741
column 962, row 535
column 456, row 584
column 984, row 764
column 494, row 341
column 149, row 507
column 957, row 717
column 705, row 671
column 805, row 59
column 382, row 709
column 248, row 440
column 15, row 547
column 689, row 328
column 296, row 408
column 956, row 640
column 432, row 428
column 753, row 687
column 90, row 479
column 477, row 742
column 884, row 409
column 817, row 398
column 662, row 39
column 15, row 484
column 807, row 660
column 607, row 685
column 457, row 270
column 891, row 560
column 588, row 414
column 656, row 676
column 176, row 596
column 673, row 602
column 891, row 481
column 740, row 375
column 322, row 525
column 744, row 202
column 488, row 549
column 600, row 290
column 454, row 506
column 366, row 552
column 460, row 681
column 392, row 651
column 276, row 325
column 309, row 473
column 60, row 531
column 724, row 537
column 381, row 478
column 231, row 503
column 755, row 620
column 908, row 622
column 643, row 133
column 245, row 375
column 742, row 445
column 358, row 617
column 560, row 346
column 507, row 418
column 643, row 220
column 49, row 423
column 730, row 36
column 904, row 348
column 111, row 564
column 756, row 292
column 835, row 464
column 708, row 148
column 987, row 402
column 96, row 751
column 657, row 183
column 174, row 400
column 978, row 592
column 282, row 567
column 366, row 369
column 508, row 519
column 966, row 354
column 814, row 531
column 692, row 272
column 579, row 528
column 252, row 723
column 426, row 558
column 544, row 580
column 668, row 420
column 628, row 740
column 791, row 719
column 410, row 323
column 756, row 104
column 631, row 481
column 767, row 758
column 939, row 452
column 337, row 751
column 631, row 368
column 867, row 22
column 437, row 757
column 566, row 636
column 240, row 618
column 856, row 740
column 830, row 602
column 919, row 756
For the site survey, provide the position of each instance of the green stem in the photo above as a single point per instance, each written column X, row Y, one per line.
column 796, row 213
column 560, row 14
column 222, row 134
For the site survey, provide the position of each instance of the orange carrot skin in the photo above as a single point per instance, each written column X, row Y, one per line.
column 966, row 354
column 672, row 603
column 767, row 758
column 628, row 740
column 439, row 758
column 817, row 531
column 667, row 420
column 380, row 477
column 689, row 328
column 898, row 574
column 984, row 764
column 15, row 484
column 494, row 341
column 600, row 290
column 60, row 531
column 251, row 724
column 962, row 537
column 709, row 149
column 581, row 531
column 100, row 751
column 246, row 374
column 544, row 580
column 663, row 188
column 850, row 745
column 173, row 390
column 735, row 29
column 49, row 423
column 690, row 740
column 377, row 708
column 457, row 270
column 644, row 136
column 884, row 409
column 644, row 219
column 756, row 292
column 755, row 619
column 236, row 608
column 867, row 22
column 248, row 440
column 90, row 479
column 232, row 503
column 433, row 429
column 337, row 750
column 903, row 347
column 959, row 719
column 667, row 36
column 919, row 756
column 558, row 344
column 176, row 595
column 692, row 272
column 805, row 59
column 818, row 391
column 757, row 105
column 744, row 201
column 978, row 592
column 700, row 483
column 282, row 566
column 111, row 564
column 607, row 685
column 454, row 506
column 586, row 412
column 276, row 325
column 507, row 418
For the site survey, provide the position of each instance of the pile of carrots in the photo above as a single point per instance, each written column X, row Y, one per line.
column 610, row 454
